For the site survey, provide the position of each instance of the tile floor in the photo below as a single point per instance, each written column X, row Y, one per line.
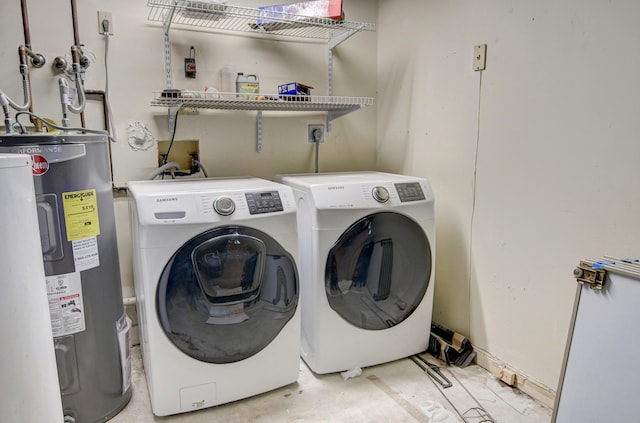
column 394, row 392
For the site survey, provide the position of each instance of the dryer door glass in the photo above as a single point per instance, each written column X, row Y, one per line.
column 226, row 294
column 378, row 271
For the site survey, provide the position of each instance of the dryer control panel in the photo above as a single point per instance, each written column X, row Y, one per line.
column 410, row 191
column 341, row 195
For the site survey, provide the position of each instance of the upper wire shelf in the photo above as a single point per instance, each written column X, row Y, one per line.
column 205, row 14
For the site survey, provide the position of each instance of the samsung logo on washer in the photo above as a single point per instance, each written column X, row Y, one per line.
column 336, row 187
column 166, row 199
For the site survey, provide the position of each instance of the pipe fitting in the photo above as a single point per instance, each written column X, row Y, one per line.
column 37, row 59
column 60, row 64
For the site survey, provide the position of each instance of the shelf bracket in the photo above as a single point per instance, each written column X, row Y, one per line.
column 333, row 43
column 329, row 82
column 166, row 25
column 259, row 132
column 335, row 114
column 172, row 112
column 337, row 40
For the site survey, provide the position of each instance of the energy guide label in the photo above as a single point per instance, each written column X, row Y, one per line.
column 81, row 214
column 65, row 304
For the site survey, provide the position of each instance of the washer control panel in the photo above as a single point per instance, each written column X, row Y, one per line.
column 409, row 191
column 264, row 202
column 206, row 201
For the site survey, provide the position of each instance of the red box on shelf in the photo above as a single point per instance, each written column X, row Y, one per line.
column 311, row 8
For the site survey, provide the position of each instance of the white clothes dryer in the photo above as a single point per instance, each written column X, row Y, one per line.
column 367, row 255
column 217, row 288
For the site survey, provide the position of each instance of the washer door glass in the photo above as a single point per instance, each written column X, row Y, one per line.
column 226, row 294
column 378, row 271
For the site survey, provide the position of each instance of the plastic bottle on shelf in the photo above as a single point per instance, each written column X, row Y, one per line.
column 227, row 78
column 248, row 85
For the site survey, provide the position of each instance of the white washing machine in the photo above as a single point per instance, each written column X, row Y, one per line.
column 215, row 268
column 367, row 255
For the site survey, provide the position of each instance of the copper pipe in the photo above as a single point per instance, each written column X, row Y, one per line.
column 22, row 53
column 74, row 19
column 76, row 42
column 37, row 60
column 27, row 41
column 25, row 24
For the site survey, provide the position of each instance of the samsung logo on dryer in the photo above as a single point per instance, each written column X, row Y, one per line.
column 336, row 187
column 166, row 199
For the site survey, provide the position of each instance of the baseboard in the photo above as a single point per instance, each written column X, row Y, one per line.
column 508, row 374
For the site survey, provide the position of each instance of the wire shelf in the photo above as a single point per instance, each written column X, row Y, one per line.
column 259, row 102
column 205, row 14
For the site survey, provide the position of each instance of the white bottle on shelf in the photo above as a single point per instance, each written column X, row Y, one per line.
column 227, row 78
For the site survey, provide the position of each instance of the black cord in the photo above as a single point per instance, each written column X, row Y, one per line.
column 173, row 136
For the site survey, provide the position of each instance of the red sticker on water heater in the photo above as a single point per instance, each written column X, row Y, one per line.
column 39, row 165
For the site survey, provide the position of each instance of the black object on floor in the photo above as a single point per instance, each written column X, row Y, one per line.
column 450, row 346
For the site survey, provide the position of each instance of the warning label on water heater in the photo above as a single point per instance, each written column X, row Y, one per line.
column 65, row 304
column 81, row 214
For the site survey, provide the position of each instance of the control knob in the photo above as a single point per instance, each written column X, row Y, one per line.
column 224, row 206
column 380, row 194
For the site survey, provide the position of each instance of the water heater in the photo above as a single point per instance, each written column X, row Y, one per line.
column 76, row 219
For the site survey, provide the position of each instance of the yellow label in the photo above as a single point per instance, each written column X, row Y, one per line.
column 81, row 214
column 248, row 87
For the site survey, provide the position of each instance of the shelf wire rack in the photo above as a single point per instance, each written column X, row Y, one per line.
column 264, row 102
column 206, row 14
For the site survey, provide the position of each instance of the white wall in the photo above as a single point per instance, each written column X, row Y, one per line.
column 534, row 161
column 227, row 139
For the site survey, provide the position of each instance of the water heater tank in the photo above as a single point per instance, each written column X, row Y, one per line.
column 74, row 197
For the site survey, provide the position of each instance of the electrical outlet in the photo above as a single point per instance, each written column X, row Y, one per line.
column 102, row 16
column 508, row 376
column 315, row 133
